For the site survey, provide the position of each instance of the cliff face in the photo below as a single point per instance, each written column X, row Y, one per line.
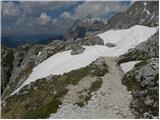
column 140, row 13
column 6, row 66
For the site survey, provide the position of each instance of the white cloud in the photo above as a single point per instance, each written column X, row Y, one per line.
column 36, row 7
column 54, row 20
column 44, row 18
column 98, row 9
column 10, row 9
column 65, row 15
column 30, row 17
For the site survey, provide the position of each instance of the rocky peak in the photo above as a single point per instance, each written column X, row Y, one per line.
column 141, row 13
column 81, row 26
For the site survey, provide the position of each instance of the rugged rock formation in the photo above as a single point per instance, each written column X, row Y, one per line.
column 143, row 82
column 77, row 49
column 110, row 44
column 6, row 66
column 140, row 13
column 79, row 29
column 22, row 63
column 144, row 50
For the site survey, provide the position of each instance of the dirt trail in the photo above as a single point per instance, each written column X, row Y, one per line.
column 110, row 101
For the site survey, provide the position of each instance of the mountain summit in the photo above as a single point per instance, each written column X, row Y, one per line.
column 82, row 26
column 140, row 13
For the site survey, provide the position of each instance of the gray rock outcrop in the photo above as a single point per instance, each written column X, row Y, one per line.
column 6, row 66
column 77, row 49
column 110, row 44
column 143, row 82
column 140, row 13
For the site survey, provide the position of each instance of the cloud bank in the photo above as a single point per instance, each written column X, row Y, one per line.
column 52, row 17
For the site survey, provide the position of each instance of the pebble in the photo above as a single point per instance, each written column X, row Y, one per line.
column 115, row 108
column 129, row 92
column 110, row 105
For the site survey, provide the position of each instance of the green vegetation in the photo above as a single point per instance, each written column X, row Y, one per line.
column 96, row 85
column 43, row 97
column 99, row 70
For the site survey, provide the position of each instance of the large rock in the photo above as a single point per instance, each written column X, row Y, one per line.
column 99, row 67
column 110, row 44
column 77, row 49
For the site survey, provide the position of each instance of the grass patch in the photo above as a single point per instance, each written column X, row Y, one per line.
column 42, row 97
column 96, row 85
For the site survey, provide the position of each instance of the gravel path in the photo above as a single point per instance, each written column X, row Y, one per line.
column 110, row 101
column 76, row 91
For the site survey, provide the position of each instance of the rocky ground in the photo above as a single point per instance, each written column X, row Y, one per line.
column 110, row 101
column 143, row 82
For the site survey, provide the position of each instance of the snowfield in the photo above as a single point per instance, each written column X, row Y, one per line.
column 128, row 37
column 65, row 62
column 128, row 66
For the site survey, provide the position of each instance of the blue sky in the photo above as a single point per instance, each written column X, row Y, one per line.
column 52, row 18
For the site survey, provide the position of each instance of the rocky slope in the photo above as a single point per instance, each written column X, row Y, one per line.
column 143, row 82
column 140, row 13
column 98, row 88
column 6, row 66
column 26, row 57
column 143, row 79
column 145, row 50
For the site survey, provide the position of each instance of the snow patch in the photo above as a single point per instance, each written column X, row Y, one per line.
column 64, row 62
column 128, row 66
column 39, row 53
column 148, row 12
column 127, row 37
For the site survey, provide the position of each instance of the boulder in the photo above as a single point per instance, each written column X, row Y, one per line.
column 110, row 44
column 77, row 49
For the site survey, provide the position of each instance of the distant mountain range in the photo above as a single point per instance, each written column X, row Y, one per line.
column 13, row 42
